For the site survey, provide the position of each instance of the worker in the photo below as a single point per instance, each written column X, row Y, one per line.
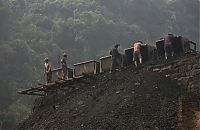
column 168, row 47
column 64, row 66
column 137, row 52
column 47, row 70
column 115, row 58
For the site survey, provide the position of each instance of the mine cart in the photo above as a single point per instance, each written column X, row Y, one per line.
column 180, row 44
column 152, row 53
column 160, row 48
column 70, row 73
column 188, row 46
column 148, row 53
column 176, row 43
column 192, row 46
column 57, row 74
column 88, row 67
column 128, row 56
column 177, row 46
column 105, row 63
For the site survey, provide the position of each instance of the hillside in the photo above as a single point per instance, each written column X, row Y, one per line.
column 161, row 96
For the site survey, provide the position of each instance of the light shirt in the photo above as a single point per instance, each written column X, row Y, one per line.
column 47, row 67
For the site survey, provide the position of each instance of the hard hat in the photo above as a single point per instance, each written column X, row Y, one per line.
column 64, row 54
column 117, row 45
column 46, row 59
column 170, row 34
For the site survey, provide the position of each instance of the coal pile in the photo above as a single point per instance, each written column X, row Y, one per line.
column 124, row 100
column 163, row 96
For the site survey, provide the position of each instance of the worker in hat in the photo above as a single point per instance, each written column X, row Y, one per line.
column 47, row 70
column 64, row 66
column 115, row 56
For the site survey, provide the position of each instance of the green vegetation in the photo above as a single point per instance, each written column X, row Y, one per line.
column 86, row 29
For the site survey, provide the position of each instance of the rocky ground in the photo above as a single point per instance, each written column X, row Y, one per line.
column 162, row 96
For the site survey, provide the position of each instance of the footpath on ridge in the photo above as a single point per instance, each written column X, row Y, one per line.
column 163, row 96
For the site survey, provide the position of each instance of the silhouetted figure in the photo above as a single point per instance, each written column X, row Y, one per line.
column 137, row 52
column 47, row 70
column 64, row 66
column 169, row 50
column 115, row 58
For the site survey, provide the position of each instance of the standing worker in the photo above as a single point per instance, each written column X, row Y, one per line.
column 169, row 50
column 137, row 52
column 115, row 55
column 64, row 66
column 47, row 70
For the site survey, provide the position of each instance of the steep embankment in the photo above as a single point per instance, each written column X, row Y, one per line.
column 128, row 99
column 186, row 72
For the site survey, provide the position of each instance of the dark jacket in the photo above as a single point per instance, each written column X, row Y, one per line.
column 114, row 52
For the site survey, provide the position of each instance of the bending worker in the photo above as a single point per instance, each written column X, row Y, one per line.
column 47, row 70
column 64, row 66
column 137, row 52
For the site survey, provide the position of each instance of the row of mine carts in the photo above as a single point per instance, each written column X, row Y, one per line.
column 149, row 54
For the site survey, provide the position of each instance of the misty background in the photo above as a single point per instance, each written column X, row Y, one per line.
column 31, row 30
